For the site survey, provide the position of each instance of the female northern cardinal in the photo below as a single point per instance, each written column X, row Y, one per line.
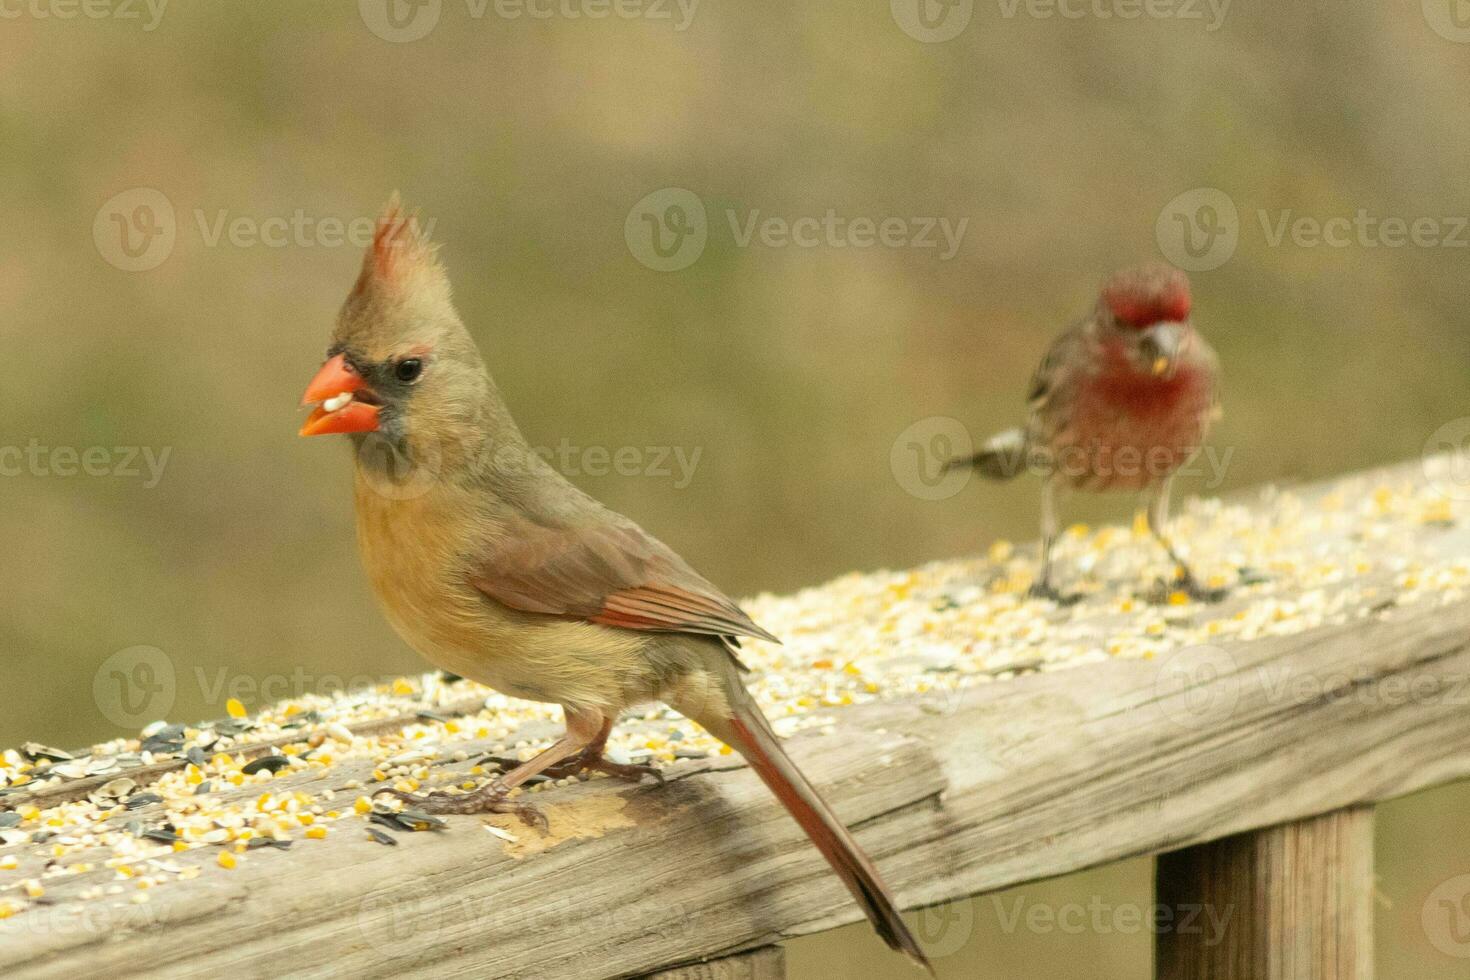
column 490, row 564
column 1121, row 401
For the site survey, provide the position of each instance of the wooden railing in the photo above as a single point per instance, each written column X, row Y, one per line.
column 1250, row 767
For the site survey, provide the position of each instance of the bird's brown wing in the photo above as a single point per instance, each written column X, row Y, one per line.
column 609, row 572
column 1051, row 372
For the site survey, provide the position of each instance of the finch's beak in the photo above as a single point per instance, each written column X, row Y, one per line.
column 337, row 391
column 1160, row 345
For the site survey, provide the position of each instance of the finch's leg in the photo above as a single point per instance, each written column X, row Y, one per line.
column 583, row 729
column 1158, row 517
column 1042, row 587
column 589, row 759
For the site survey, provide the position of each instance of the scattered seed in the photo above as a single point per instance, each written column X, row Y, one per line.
column 266, row 763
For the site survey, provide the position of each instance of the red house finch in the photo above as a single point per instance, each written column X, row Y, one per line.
column 494, row 567
column 1120, row 401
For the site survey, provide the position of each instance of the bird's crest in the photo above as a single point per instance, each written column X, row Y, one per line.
column 400, row 251
column 1148, row 294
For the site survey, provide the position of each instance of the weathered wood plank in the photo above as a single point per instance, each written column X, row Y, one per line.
column 1040, row 776
column 768, row 963
column 1291, row 902
column 1003, row 783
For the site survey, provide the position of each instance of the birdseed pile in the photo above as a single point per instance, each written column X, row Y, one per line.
column 179, row 802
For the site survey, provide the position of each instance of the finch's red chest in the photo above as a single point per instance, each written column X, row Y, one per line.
column 1127, row 430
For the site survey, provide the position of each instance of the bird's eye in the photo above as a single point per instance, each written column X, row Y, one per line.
column 408, row 369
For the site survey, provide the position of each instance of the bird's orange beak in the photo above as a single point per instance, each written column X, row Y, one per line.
column 334, row 392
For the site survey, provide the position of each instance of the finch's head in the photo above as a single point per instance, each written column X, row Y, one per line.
column 1147, row 307
column 400, row 359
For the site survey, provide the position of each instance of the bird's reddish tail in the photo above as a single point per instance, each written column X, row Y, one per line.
column 759, row 745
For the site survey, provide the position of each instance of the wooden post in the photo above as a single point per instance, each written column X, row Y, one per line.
column 766, row 963
column 1292, row 902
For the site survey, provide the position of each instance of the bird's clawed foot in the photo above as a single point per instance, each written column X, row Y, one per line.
column 1191, row 587
column 490, row 798
column 1045, row 590
column 587, row 761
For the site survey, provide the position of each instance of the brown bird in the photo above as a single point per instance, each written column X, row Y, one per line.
column 494, row 567
column 1120, row 402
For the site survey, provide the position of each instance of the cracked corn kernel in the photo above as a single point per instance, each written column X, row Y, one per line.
column 226, row 860
column 403, row 687
column 363, row 805
column 235, row 708
column 316, row 833
column 9, row 863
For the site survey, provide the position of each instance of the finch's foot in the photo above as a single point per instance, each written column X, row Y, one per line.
column 1190, row 586
column 587, row 762
column 490, row 798
column 1045, row 590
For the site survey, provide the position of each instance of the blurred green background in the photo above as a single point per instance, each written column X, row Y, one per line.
column 1067, row 145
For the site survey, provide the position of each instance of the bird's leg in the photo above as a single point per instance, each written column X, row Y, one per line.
column 1042, row 587
column 1158, row 517
column 589, row 759
column 583, row 729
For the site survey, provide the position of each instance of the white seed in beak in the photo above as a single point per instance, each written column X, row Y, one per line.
column 337, row 401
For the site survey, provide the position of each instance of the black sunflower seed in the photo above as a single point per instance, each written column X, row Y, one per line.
column 256, row 843
column 268, row 763
column 415, row 817
column 382, row 837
